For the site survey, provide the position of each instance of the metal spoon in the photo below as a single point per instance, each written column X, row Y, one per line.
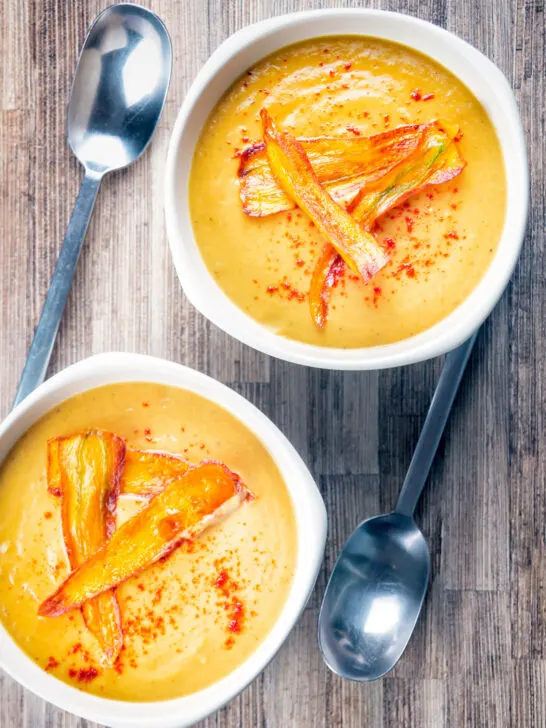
column 116, row 100
column 378, row 585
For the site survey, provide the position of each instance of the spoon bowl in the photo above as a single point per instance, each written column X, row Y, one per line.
column 374, row 601
column 119, row 87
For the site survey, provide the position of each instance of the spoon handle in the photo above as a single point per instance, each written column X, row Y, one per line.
column 59, row 288
column 434, row 426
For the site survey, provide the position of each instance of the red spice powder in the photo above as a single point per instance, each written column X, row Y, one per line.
column 147, row 434
column 235, row 624
column 354, row 130
column 52, row 663
column 348, row 66
column 416, row 95
column 287, row 291
column 409, row 223
column 233, row 605
column 387, row 119
column 48, row 515
column 85, row 675
column 408, row 269
column 145, row 404
column 376, row 294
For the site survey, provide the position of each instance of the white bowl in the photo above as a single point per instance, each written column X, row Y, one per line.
column 310, row 517
column 248, row 46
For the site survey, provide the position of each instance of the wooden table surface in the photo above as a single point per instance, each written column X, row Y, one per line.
column 478, row 656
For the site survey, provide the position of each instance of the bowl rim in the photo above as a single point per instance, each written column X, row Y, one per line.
column 445, row 48
column 310, row 516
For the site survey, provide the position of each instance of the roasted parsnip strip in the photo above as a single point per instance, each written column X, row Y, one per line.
column 436, row 161
column 183, row 510
column 53, row 467
column 147, row 472
column 343, row 165
column 295, row 175
column 87, row 468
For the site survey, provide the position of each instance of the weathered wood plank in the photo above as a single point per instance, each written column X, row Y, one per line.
column 527, row 355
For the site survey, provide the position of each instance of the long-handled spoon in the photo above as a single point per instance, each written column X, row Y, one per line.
column 378, row 585
column 116, row 100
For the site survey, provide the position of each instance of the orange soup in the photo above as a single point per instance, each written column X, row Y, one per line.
column 187, row 620
column 439, row 241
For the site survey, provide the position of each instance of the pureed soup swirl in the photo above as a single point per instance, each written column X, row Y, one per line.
column 186, row 620
column 438, row 241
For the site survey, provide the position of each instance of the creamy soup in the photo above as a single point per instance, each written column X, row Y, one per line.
column 177, row 615
column 440, row 241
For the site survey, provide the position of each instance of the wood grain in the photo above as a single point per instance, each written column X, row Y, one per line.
column 478, row 657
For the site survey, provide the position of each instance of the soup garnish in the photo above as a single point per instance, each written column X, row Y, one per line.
column 86, row 469
column 345, row 184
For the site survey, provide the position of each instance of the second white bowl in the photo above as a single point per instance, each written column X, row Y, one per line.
column 309, row 512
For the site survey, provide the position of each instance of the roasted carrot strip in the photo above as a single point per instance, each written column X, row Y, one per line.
column 295, row 175
column 437, row 161
column 325, row 273
column 88, row 468
column 180, row 512
column 343, row 165
column 147, row 472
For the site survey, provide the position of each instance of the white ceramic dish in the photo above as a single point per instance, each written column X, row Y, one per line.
column 248, row 46
column 310, row 519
